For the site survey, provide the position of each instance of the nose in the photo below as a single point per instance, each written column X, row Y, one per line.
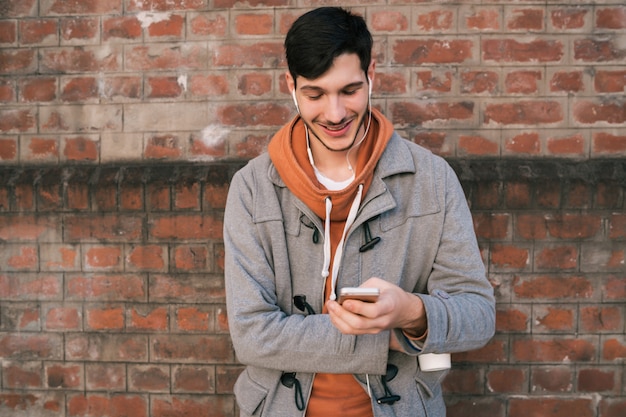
column 335, row 110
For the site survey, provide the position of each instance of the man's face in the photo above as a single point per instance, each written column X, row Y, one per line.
column 334, row 105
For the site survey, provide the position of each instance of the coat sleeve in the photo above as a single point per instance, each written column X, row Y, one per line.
column 264, row 334
column 459, row 304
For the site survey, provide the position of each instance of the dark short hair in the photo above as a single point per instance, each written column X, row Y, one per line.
column 319, row 36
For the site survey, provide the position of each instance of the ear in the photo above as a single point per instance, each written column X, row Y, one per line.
column 291, row 83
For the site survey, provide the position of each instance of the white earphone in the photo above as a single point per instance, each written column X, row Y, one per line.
column 295, row 101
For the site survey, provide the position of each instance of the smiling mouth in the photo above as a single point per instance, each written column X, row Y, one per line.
column 338, row 129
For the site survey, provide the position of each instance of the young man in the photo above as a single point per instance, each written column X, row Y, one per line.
column 340, row 200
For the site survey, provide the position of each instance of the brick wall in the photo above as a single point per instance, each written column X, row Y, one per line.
column 122, row 121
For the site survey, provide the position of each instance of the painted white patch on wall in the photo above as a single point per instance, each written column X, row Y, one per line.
column 182, row 81
column 214, row 135
column 148, row 18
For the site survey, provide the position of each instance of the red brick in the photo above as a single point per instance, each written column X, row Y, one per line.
column 588, row 112
column 436, row 20
column 476, row 82
column 115, row 405
column 510, row 50
column 191, row 406
column 611, row 18
column 226, row 378
column 103, row 227
column 22, row 228
column 158, row 196
column 106, row 318
column 149, row 378
column 173, row 26
column 82, row 7
column 555, row 350
column 164, row 87
column 31, row 346
column 606, row 81
column 150, row 319
column 20, row 317
column 617, row 226
column 553, row 379
column 595, row 319
column 417, row 52
column 556, row 258
column 567, row 146
column 131, row 196
column 122, row 87
column 8, row 149
column 463, row 381
column 493, row 352
column 165, row 5
column 476, row 406
column 613, row 349
column 524, row 143
column 507, row 380
column 208, row 85
column 522, row 82
column 107, row 288
column 63, row 318
column 612, row 407
column 525, row 19
column 22, row 376
column 568, row 18
column 191, row 258
column 597, row 380
column 17, row 61
column 511, row 319
column 416, row 113
column 37, row 31
column 483, row 19
column 17, row 120
column 192, row 319
column 255, row 84
column 567, row 81
column 39, row 89
column 554, row 319
column 146, row 258
column 478, row 146
column 575, row 226
column 103, row 258
column 251, row 146
column 105, row 376
column 551, row 407
column 8, row 32
column 163, row 147
column 492, row 226
column 68, row 376
column 433, row 141
column 429, row 81
column 80, row 149
column 590, row 50
column 194, row 379
column 43, row 148
column 201, row 148
column 187, row 196
column 524, row 112
column 83, row 59
column 253, row 24
column 79, row 28
column 79, row 89
column 30, row 286
column 509, row 257
column 7, row 91
column 209, row 24
column 607, row 143
column 193, row 289
column 152, row 57
column 553, row 287
column 389, row 21
column 253, row 114
column 192, row 348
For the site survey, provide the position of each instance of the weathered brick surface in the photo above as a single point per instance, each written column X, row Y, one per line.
column 119, row 300
column 120, row 125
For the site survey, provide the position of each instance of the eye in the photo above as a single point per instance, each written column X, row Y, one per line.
column 350, row 92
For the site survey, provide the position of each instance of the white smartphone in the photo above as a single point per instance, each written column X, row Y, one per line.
column 369, row 295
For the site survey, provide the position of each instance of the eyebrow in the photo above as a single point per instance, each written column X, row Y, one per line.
column 314, row 88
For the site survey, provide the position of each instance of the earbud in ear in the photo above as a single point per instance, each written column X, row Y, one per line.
column 295, row 101
column 369, row 81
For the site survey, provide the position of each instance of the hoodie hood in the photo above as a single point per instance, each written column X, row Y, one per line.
column 288, row 151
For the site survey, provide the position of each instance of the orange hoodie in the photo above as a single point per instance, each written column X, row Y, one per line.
column 332, row 394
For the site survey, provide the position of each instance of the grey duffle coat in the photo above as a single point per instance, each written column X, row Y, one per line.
column 417, row 207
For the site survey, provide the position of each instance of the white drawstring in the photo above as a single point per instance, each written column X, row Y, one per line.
column 339, row 251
